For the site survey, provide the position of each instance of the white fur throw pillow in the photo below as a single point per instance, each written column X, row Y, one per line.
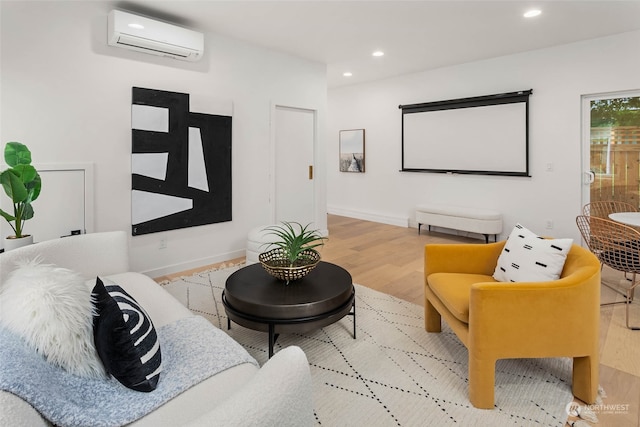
column 51, row 308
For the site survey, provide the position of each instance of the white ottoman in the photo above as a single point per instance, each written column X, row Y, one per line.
column 258, row 241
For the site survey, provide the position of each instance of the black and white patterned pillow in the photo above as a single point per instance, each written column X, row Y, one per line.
column 125, row 338
column 527, row 257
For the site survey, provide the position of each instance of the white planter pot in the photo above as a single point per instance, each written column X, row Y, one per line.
column 14, row 243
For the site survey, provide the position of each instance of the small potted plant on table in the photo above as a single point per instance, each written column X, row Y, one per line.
column 21, row 182
column 294, row 255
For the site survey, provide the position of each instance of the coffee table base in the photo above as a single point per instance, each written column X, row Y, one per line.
column 298, row 325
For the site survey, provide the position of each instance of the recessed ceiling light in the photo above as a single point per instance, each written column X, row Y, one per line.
column 136, row 26
column 531, row 13
column 378, row 53
column 347, row 74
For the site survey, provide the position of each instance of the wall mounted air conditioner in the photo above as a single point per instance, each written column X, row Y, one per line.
column 155, row 37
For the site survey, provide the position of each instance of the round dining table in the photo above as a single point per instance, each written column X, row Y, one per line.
column 627, row 218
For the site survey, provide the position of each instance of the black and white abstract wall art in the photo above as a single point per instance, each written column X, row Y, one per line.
column 180, row 165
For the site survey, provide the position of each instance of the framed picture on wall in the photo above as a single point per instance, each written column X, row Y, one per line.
column 352, row 150
column 180, row 163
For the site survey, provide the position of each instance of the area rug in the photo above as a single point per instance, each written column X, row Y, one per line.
column 394, row 373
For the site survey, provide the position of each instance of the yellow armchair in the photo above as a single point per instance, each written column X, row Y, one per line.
column 506, row 320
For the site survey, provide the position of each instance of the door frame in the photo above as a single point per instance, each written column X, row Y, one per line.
column 272, row 157
column 585, row 136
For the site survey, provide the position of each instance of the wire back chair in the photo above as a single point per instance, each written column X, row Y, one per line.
column 617, row 246
column 603, row 208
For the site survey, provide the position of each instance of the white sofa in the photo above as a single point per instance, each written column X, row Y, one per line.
column 277, row 394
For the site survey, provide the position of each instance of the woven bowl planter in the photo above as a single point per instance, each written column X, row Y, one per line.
column 278, row 266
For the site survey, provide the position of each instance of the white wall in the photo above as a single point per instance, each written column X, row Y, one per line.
column 67, row 95
column 558, row 76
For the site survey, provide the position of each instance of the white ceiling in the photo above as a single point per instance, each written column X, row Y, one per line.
column 415, row 35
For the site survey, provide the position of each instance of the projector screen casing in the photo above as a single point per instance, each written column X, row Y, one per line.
column 486, row 135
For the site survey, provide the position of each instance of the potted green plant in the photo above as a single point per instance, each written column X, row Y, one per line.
column 294, row 255
column 21, row 182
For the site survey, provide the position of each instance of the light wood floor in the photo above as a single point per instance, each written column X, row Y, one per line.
column 390, row 259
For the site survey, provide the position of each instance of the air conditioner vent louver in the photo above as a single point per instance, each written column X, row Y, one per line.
column 143, row 44
column 156, row 38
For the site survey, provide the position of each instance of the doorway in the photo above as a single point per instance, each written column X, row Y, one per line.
column 294, row 139
column 611, row 147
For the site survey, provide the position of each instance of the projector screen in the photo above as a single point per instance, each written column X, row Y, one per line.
column 485, row 135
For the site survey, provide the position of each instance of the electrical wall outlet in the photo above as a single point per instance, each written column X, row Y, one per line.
column 549, row 224
column 163, row 243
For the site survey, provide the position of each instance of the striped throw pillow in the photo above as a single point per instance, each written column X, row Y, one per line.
column 527, row 257
column 125, row 338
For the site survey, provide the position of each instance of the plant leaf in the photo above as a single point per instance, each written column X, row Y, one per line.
column 13, row 186
column 16, row 153
column 27, row 212
column 26, row 173
column 7, row 216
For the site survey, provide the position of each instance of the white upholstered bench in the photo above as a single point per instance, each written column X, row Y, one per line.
column 482, row 221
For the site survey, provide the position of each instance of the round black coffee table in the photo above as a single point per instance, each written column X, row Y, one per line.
column 256, row 300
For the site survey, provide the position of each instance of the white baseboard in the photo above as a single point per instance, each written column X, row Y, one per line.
column 190, row 265
column 369, row 216
column 185, row 266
